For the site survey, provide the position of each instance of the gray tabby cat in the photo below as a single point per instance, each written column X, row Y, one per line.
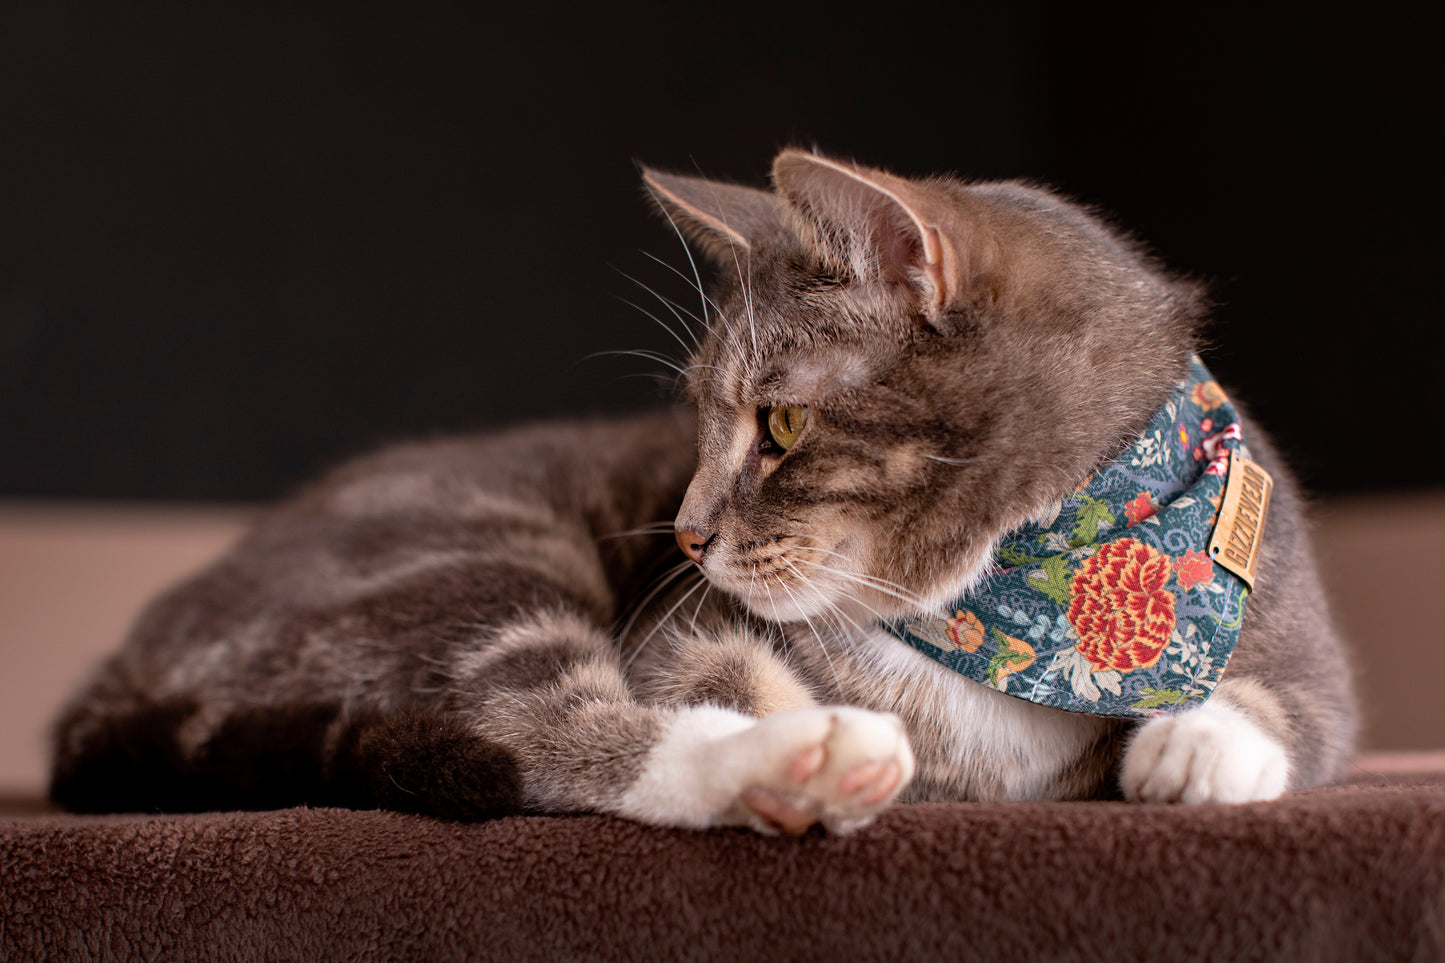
column 895, row 373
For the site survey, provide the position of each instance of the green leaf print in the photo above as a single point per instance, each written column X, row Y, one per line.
column 1159, row 698
column 1052, row 578
column 1015, row 556
column 1093, row 517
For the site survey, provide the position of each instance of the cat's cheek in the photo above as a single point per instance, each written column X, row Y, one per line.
column 1212, row 754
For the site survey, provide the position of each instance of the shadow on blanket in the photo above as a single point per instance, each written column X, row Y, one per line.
column 1353, row 872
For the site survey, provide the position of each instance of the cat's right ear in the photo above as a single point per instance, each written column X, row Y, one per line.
column 723, row 220
column 879, row 227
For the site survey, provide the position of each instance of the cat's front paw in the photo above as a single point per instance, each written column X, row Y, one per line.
column 838, row 766
column 1214, row 753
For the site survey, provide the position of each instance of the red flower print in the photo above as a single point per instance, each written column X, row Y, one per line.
column 1214, row 450
column 1207, row 425
column 1120, row 607
column 1193, row 568
column 1139, row 509
column 1219, row 464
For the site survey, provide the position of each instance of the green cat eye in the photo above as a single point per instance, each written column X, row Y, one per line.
column 785, row 423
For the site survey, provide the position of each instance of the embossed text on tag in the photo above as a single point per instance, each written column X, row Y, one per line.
column 1237, row 535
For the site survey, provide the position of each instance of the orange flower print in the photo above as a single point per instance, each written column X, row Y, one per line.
column 1193, row 568
column 1208, row 395
column 966, row 631
column 1120, row 607
column 1013, row 655
column 1139, row 509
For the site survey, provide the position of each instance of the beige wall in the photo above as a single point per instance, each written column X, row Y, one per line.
column 71, row 579
column 73, row 576
column 1384, row 563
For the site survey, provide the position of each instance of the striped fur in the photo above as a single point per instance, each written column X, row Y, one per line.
column 504, row 624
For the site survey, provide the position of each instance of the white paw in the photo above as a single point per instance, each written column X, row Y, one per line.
column 1210, row 754
column 837, row 766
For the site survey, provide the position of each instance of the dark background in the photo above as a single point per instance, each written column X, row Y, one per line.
column 239, row 241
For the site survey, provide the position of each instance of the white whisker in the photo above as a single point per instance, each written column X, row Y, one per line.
column 882, row 584
column 655, row 528
column 877, row 585
column 649, row 355
column 697, row 276
column 641, row 606
column 707, row 302
column 660, row 623
column 677, row 310
column 811, row 627
column 698, row 611
column 660, row 323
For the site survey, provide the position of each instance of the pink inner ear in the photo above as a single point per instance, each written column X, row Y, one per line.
column 856, row 214
column 721, row 219
column 900, row 251
column 934, row 267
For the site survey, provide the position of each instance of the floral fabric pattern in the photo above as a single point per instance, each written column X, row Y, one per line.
column 1120, row 608
column 1111, row 605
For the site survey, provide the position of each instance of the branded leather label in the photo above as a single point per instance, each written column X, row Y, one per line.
column 1239, row 531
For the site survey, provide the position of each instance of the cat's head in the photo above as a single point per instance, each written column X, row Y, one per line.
column 896, row 372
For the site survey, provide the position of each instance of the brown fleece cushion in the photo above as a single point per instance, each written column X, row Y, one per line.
column 1353, row 872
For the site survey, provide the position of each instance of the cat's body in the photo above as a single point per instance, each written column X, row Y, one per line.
column 475, row 627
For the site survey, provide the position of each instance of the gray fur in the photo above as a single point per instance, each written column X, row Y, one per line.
column 967, row 353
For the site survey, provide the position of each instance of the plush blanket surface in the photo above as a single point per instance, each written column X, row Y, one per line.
column 1353, row 872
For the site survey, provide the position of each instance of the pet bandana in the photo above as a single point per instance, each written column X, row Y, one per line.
column 1127, row 597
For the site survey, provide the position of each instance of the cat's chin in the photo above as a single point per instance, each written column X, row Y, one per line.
column 812, row 603
column 785, row 609
column 841, row 595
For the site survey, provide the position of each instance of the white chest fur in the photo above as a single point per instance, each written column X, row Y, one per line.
column 959, row 724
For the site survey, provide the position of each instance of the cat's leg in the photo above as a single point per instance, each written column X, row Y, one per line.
column 748, row 745
column 1228, row 750
column 837, row 766
column 551, row 691
column 1283, row 716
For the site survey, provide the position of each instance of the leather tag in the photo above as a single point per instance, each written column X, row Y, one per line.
column 1240, row 528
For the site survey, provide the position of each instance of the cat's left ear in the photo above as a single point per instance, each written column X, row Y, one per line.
column 723, row 220
column 876, row 225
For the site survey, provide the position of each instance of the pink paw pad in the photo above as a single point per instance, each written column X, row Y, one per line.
column 806, row 764
column 785, row 816
column 871, row 781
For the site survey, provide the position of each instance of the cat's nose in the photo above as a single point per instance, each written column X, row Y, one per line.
column 693, row 544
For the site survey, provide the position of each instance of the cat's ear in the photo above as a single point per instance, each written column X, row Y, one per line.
column 875, row 225
column 723, row 220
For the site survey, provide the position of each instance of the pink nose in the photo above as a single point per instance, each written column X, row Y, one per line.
column 692, row 544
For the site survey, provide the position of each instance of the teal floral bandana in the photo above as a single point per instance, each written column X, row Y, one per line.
column 1113, row 604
